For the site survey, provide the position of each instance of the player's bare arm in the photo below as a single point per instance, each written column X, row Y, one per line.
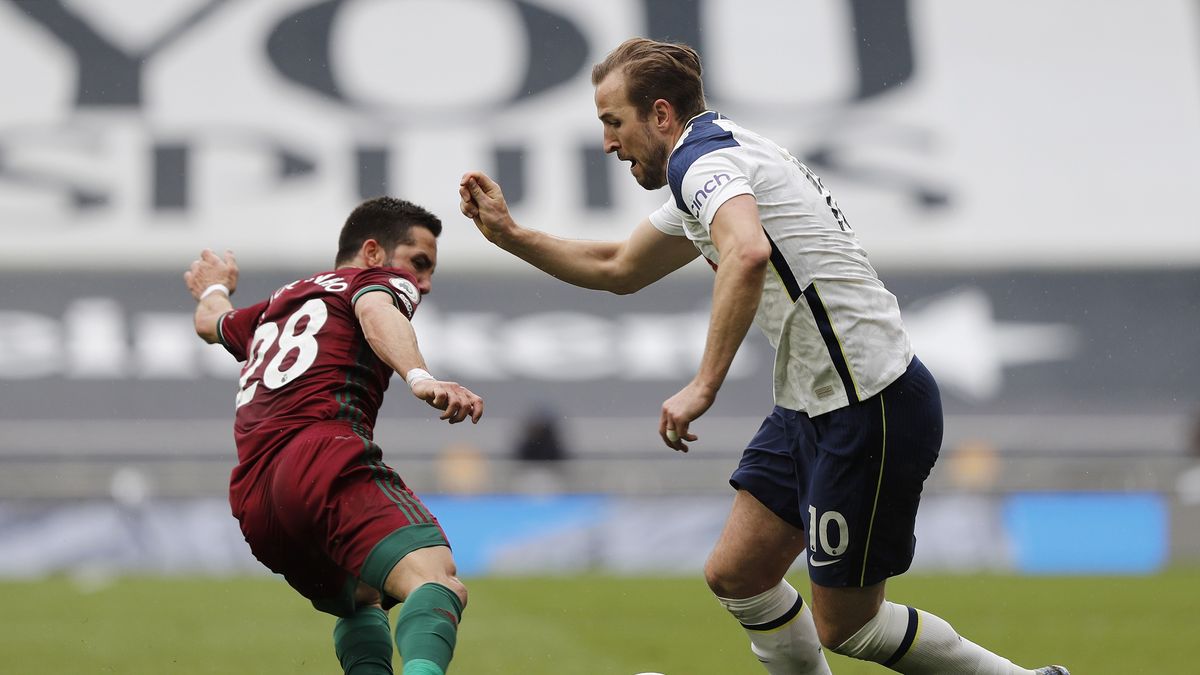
column 745, row 253
column 616, row 266
column 394, row 341
column 211, row 280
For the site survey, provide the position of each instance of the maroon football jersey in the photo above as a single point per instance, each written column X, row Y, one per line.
column 306, row 359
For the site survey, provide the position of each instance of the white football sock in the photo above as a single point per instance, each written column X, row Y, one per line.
column 781, row 629
column 915, row 642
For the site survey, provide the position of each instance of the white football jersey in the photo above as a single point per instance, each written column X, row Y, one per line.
column 836, row 330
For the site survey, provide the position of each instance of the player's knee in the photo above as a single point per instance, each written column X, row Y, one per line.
column 836, row 630
column 365, row 595
column 445, row 579
column 833, row 635
column 840, row 613
column 457, row 587
column 449, row 581
column 725, row 581
column 432, row 565
column 715, row 578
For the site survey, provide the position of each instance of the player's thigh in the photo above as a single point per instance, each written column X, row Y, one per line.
column 351, row 515
column 755, row 550
column 300, row 561
column 764, row 532
column 774, row 467
column 291, row 528
column 871, row 462
column 432, row 564
column 373, row 520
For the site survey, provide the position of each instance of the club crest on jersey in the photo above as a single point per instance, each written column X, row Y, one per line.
column 407, row 288
column 707, row 189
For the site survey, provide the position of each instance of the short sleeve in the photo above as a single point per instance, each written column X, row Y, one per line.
column 395, row 282
column 668, row 219
column 710, row 181
column 236, row 327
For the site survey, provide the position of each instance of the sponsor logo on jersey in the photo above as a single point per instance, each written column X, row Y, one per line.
column 707, row 189
column 407, row 288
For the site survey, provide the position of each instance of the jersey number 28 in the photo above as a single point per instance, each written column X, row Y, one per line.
column 270, row 341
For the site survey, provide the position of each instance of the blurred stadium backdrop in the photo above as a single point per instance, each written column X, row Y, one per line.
column 1022, row 173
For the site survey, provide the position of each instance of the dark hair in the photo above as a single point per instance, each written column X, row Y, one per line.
column 388, row 221
column 654, row 70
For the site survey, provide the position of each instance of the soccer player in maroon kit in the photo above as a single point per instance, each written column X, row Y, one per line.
column 314, row 498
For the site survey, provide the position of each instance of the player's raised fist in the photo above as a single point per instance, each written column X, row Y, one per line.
column 211, row 269
column 481, row 200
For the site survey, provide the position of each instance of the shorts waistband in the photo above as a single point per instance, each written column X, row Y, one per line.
column 346, row 425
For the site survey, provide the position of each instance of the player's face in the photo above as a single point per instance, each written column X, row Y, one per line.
column 634, row 139
column 419, row 257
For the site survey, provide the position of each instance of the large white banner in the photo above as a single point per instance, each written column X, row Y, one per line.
column 1021, row 132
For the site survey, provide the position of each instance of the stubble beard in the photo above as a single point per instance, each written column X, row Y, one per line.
column 654, row 169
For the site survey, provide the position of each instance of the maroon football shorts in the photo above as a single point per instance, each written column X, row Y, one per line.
column 326, row 512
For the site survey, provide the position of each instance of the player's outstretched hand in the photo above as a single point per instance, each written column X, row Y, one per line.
column 481, row 200
column 211, row 269
column 456, row 402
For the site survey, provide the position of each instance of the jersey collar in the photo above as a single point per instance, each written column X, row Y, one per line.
column 706, row 116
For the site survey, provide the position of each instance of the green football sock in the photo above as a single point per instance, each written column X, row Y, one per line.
column 427, row 629
column 363, row 643
column 422, row 667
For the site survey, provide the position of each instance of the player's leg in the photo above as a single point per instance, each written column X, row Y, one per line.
column 434, row 599
column 904, row 639
column 426, row 628
column 746, row 572
column 339, row 498
column 277, row 521
column 762, row 538
column 363, row 640
column 413, row 565
column 872, row 460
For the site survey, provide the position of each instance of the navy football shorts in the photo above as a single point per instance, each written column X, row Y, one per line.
column 851, row 478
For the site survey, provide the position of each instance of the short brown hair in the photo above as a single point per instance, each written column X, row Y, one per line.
column 654, row 70
column 388, row 221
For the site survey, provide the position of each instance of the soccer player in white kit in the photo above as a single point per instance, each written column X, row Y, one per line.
column 838, row 465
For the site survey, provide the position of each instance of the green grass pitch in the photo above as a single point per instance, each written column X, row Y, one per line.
column 589, row 625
